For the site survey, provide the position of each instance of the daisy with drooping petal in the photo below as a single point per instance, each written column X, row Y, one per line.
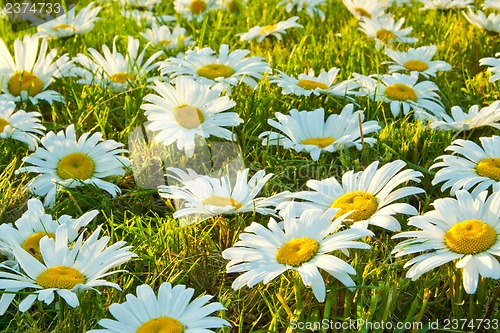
column 365, row 8
column 189, row 109
column 370, row 194
column 494, row 64
column 493, row 4
column 20, row 125
column 169, row 312
column 416, row 60
column 194, row 9
column 465, row 230
column 205, row 196
column 445, row 4
column 461, row 121
column 222, row 71
column 113, row 70
column 303, row 245
column 309, row 6
column 67, row 162
column 307, row 84
column 66, row 270
column 276, row 30
column 307, row 131
column 169, row 39
column 478, row 168
column 386, row 31
column 480, row 20
column 28, row 74
column 70, row 24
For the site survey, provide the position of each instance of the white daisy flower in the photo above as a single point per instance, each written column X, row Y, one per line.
column 222, row 71
column 365, row 8
column 34, row 224
column 20, row 125
column 445, row 4
column 303, row 244
column 403, row 92
column 462, row 121
column 169, row 39
column 309, row 6
column 276, row 30
column 112, row 69
column 307, row 131
column 493, row 4
column 70, row 24
column 140, row 4
column 28, row 74
column 369, row 193
column 205, row 196
column 189, row 109
column 307, row 84
column 494, row 64
column 147, row 18
column 478, row 168
column 416, row 60
column 194, row 9
column 465, row 230
column 67, row 162
column 171, row 311
column 386, row 31
column 67, row 270
column 480, row 20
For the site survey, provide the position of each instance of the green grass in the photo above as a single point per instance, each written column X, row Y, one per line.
column 192, row 255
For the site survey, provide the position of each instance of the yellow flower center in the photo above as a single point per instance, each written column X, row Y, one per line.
column 161, row 325
column 25, row 81
column 219, row 201
column 320, row 142
column 197, row 6
column 362, row 12
column 400, row 92
column 164, row 42
column 188, row 116
column 267, row 29
column 311, row 85
column 297, row 251
column 75, row 165
column 415, row 65
column 63, row 26
column 363, row 203
column 60, row 277
column 470, row 237
column 32, row 244
column 122, row 77
column 490, row 168
column 385, row 36
column 213, row 71
column 3, row 123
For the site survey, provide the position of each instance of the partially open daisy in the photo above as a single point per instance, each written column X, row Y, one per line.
column 170, row 312
column 463, row 121
column 188, row 110
column 114, row 70
column 307, row 84
column 494, row 64
column 303, row 245
column 161, row 35
column 465, row 230
column 34, row 224
column 20, row 125
column 445, row 4
column 480, row 20
column 309, row 6
column 386, row 31
column 70, row 23
column 223, row 71
column 365, row 8
column 64, row 161
column 65, row 269
column 307, row 131
column 478, row 168
column 493, row 4
column 370, row 194
column 28, row 74
column 193, row 9
column 416, row 60
column 276, row 30
column 204, row 196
